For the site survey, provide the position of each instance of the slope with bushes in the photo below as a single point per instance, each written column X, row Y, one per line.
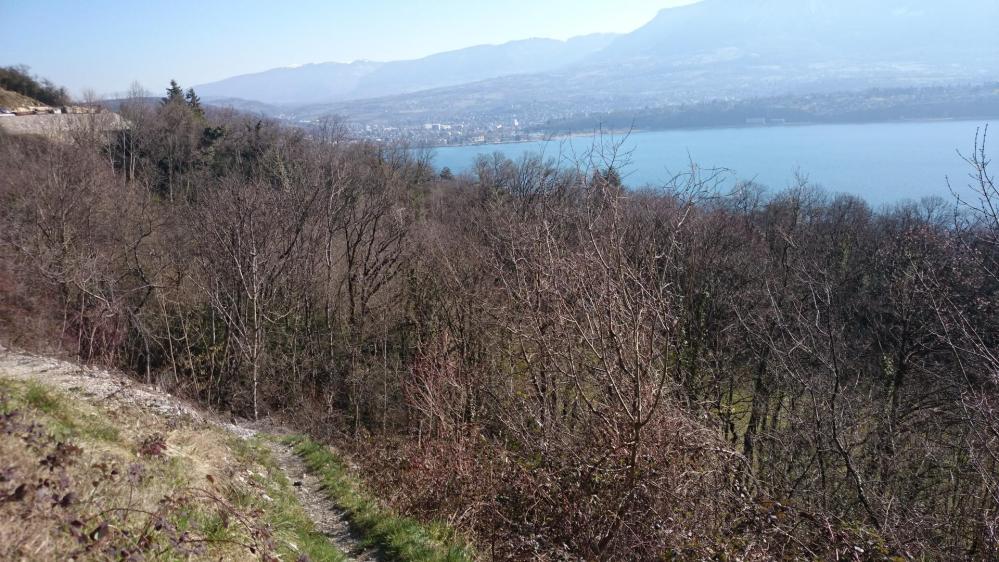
column 9, row 99
column 103, row 479
column 555, row 366
column 102, row 468
column 397, row 537
column 18, row 79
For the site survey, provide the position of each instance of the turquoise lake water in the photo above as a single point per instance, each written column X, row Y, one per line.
column 882, row 162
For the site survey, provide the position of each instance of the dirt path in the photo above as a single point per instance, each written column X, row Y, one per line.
column 327, row 517
column 101, row 386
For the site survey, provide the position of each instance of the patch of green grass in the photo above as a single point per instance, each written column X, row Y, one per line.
column 41, row 398
column 100, row 431
column 63, row 418
column 57, row 417
column 283, row 512
column 6, row 391
column 215, row 527
column 399, row 538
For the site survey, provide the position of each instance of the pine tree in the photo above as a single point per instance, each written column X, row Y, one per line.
column 175, row 94
column 613, row 177
column 194, row 102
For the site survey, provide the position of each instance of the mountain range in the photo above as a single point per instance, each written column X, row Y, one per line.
column 331, row 81
column 714, row 49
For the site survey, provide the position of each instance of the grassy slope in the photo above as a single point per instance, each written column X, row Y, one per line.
column 398, row 538
column 108, row 482
column 11, row 99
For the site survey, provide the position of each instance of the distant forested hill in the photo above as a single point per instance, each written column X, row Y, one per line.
column 849, row 107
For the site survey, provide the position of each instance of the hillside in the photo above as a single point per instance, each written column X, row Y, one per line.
column 326, row 82
column 20, row 80
column 530, row 355
column 11, row 99
column 96, row 467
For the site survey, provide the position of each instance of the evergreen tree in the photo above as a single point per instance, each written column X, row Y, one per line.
column 447, row 174
column 175, row 94
column 612, row 177
column 194, row 101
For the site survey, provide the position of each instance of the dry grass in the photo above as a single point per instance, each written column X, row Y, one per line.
column 11, row 100
column 109, row 481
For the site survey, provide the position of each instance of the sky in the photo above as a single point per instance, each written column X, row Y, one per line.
column 106, row 45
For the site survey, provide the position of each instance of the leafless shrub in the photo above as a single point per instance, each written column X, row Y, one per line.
column 563, row 367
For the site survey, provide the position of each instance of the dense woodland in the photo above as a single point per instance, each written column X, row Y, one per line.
column 559, row 367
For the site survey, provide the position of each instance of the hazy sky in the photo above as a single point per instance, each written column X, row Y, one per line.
column 106, row 44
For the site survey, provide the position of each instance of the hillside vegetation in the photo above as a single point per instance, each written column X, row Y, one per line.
column 11, row 99
column 554, row 366
column 18, row 79
column 396, row 537
column 111, row 481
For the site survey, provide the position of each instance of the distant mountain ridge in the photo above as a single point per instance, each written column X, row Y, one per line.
column 927, row 31
column 331, row 82
column 714, row 49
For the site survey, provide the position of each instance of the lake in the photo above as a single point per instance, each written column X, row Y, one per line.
column 882, row 162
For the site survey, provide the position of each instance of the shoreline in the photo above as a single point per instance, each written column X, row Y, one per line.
column 635, row 131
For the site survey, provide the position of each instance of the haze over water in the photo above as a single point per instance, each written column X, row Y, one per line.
column 884, row 163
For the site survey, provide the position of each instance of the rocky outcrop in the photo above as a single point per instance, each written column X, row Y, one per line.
column 63, row 125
